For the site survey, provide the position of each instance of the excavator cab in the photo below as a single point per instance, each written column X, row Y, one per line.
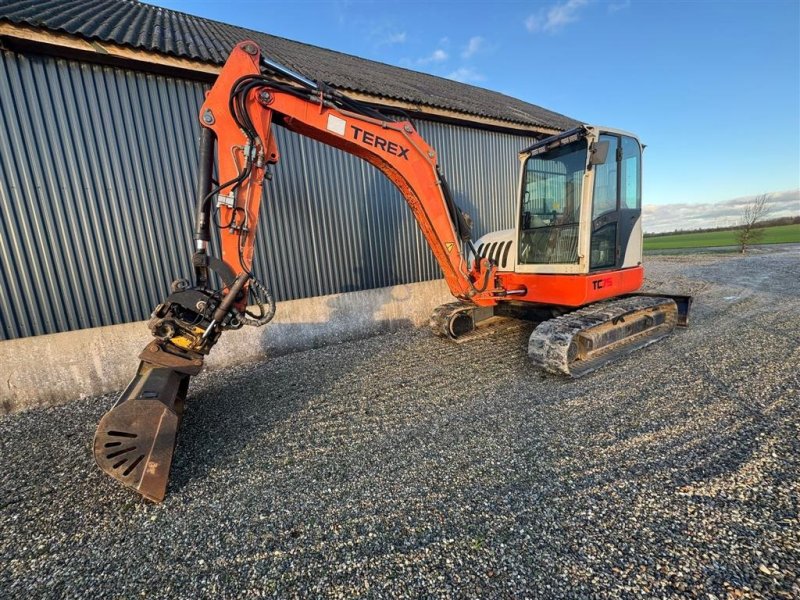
column 575, row 254
column 579, row 215
column 594, row 180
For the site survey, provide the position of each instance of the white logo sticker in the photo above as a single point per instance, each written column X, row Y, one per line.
column 336, row 125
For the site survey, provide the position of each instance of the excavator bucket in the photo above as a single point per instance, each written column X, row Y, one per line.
column 135, row 440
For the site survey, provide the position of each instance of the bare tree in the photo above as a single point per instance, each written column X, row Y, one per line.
column 748, row 232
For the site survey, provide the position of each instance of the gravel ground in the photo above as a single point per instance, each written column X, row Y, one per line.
column 403, row 465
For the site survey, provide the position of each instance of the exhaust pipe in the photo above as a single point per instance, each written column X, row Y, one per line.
column 135, row 440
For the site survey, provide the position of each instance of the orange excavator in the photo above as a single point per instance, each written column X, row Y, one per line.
column 572, row 263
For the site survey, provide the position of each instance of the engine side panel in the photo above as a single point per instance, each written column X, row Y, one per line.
column 573, row 290
column 500, row 247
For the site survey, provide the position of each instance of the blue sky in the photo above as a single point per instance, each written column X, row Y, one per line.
column 712, row 87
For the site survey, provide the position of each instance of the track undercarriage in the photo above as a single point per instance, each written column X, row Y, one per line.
column 580, row 341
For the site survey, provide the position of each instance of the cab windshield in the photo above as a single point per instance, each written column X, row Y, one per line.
column 551, row 205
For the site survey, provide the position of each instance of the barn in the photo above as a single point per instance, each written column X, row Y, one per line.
column 98, row 132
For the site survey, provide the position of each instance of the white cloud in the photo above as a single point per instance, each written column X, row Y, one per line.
column 618, row 6
column 437, row 56
column 465, row 75
column 556, row 17
column 475, row 45
column 395, row 38
column 669, row 217
column 386, row 35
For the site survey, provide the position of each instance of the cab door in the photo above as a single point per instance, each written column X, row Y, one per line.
column 616, row 204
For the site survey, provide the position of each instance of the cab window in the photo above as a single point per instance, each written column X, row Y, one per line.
column 605, row 180
column 631, row 196
column 551, row 206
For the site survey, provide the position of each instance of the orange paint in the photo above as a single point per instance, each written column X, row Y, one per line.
column 394, row 147
column 402, row 155
column 573, row 290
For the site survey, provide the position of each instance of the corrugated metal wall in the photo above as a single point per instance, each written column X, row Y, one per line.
column 97, row 174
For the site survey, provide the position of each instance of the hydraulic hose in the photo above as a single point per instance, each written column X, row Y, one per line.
column 264, row 299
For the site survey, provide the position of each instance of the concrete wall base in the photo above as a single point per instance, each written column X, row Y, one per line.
column 53, row 369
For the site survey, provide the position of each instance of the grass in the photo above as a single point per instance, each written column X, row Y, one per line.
column 779, row 234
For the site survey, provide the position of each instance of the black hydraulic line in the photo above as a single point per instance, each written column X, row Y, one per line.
column 288, row 73
column 202, row 234
column 203, row 202
column 238, row 100
column 474, row 252
column 314, row 89
column 456, row 216
column 227, row 302
column 266, row 305
column 485, row 284
column 204, row 174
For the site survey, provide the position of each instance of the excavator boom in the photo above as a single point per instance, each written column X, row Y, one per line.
column 135, row 440
column 240, row 110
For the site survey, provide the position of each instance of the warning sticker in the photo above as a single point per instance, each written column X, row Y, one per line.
column 449, row 246
column 336, row 124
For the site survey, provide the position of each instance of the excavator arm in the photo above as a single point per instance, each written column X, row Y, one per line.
column 242, row 107
column 135, row 440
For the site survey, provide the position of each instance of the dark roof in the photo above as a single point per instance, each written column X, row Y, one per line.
column 134, row 24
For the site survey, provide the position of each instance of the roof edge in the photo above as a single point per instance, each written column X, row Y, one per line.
column 27, row 37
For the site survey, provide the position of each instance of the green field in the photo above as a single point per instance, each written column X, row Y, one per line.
column 779, row 234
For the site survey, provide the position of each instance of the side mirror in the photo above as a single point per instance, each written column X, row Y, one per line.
column 598, row 153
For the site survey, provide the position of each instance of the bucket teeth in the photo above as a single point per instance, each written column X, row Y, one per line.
column 135, row 440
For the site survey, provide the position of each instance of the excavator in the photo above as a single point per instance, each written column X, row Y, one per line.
column 572, row 263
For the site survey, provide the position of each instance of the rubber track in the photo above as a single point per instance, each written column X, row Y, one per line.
column 550, row 341
column 440, row 319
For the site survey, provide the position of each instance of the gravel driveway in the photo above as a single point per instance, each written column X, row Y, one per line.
column 403, row 465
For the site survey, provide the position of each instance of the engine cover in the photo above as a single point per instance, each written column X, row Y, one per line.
column 499, row 247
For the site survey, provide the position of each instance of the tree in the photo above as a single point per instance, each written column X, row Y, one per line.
column 748, row 232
